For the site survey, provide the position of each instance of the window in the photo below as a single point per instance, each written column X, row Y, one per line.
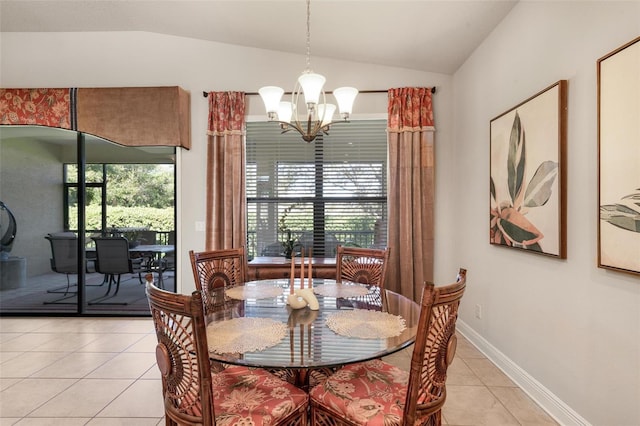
column 324, row 193
column 122, row 196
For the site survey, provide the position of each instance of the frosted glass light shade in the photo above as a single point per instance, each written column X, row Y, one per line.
column 271, row 96
column 345, row 97
column 311, row 84
column 285, row 110
column 325, row 113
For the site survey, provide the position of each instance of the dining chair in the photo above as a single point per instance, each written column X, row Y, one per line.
column 192, row 394
column 363, row 266
column 113, row 259
column 217, row 270
column 376, row 392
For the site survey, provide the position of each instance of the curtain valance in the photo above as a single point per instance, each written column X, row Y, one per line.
column 226, row 113
column 410, row 109
column 132, row 116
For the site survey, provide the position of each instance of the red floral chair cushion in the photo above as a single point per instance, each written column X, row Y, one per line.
column 245, row 396
column 368, row 393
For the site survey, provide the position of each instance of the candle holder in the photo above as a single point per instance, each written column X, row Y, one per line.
column 302, row 297
column 295, row 301
column 309, row 298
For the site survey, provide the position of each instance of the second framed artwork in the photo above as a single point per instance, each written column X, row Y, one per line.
column 527, row 167
column 619, row 159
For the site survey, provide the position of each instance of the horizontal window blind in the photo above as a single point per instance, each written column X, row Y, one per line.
column 324, row 193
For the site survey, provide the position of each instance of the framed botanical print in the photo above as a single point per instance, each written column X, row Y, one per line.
column 619, row 159
column 527, row 167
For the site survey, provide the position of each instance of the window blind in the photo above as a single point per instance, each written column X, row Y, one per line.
column 320, row 194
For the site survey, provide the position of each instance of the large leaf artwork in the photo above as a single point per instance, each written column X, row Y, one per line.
column 625, row 216
column 619, row 159
column 509, row 224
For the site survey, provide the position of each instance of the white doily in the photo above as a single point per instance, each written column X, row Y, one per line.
column 244, row 292
column 340, row 290
column 366, row 324
column 240, row 335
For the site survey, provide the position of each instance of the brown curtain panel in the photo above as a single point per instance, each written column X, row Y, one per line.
column 411, row 190
column 226, row 224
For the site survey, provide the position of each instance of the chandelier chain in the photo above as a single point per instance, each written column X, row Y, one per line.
column 308, row 35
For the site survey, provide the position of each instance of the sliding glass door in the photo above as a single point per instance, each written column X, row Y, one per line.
column 64, row 191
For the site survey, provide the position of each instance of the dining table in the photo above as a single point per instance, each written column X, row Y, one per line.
column 258, row 326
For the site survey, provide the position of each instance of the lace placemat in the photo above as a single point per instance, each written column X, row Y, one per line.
column 366, row 324
column 240, row 335
column 340, row 290
column 244, row 292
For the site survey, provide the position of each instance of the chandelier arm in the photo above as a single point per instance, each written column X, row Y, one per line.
column 295, row 125
column 309, row 135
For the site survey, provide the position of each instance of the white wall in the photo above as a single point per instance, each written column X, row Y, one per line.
column 128, row 59
column 564, row 328
column 35, row 216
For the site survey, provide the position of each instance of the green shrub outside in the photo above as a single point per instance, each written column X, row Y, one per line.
column 130, row 217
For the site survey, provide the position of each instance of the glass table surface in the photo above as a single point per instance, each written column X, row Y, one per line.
column 308, row 342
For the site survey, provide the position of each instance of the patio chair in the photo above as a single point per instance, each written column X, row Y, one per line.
column 64, row 260
column 216, row 270
column 113, row 260
column 168, row 261
column 192, row 394
column 375, row 392
column 146, row 237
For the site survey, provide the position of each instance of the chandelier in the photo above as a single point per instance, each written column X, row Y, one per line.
column 313, row 116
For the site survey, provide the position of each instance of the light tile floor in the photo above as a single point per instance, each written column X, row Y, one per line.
column 102, row 372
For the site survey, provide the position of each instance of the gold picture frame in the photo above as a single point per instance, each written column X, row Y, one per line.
column 619, row 159
column 527, row 174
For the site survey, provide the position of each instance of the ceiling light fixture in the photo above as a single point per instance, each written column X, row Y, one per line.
column 319, row 116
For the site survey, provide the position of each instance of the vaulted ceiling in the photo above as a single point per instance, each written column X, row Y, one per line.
column 426, row 35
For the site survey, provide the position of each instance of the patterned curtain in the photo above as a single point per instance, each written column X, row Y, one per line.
column 225, row 226
column 411, row 190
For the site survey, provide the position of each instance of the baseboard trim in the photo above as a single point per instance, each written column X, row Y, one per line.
column 549, row 402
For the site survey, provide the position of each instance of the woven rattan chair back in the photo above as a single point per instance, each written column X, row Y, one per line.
column 361, row 265
column 433, row 352
column 216, row 270
column 182, row 356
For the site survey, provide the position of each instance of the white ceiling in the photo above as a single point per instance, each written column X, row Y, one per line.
column 426, row 35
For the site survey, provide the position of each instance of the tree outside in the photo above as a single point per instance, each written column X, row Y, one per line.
column 138, row 196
